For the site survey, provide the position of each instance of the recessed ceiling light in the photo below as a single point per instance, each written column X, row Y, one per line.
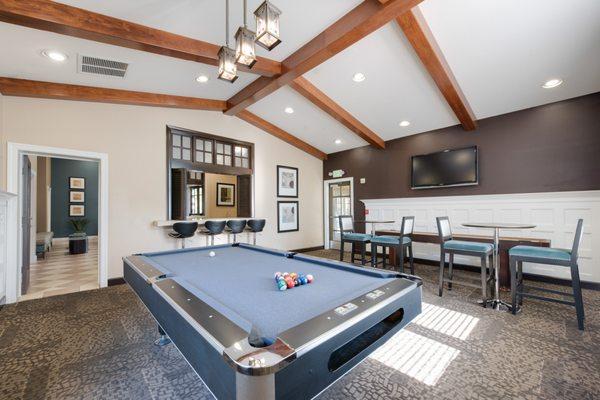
column 552, row 83
column 404, row 123
column 338, row 141
column 202, row 79
column 289, row 110
column 358, row 77
column 54, row 55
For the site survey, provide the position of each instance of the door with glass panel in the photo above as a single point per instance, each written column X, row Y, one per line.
column 340, row 203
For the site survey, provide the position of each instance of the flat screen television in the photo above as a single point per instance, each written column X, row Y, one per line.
column 456, row 167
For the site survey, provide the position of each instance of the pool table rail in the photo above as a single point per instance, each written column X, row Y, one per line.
column 390, row 306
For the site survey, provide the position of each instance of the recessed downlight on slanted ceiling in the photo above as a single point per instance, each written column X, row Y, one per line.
column 289, row 110
column 552, row 83
column 404, row 123
column 55, row 55
column 358, row 77
column 202, row 79
column 338, row 141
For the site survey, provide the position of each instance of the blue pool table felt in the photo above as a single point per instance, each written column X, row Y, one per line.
column 239, row 283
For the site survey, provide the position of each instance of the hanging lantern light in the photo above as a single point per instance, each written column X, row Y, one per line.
column 244, row 44
column 267, row 25
column 227, row 67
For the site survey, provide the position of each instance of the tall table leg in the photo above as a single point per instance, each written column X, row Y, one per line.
column 497, row 304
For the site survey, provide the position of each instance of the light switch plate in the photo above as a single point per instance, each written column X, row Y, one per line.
column 363, row 180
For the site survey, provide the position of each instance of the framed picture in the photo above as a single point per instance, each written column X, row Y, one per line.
column 76, row 183
column 225, row 194
column 76, row 210
column 77, row 197
column 287, row 181
column 287, row 216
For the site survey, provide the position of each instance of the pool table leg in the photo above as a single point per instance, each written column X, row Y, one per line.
column 163, row 340
column 249, row 387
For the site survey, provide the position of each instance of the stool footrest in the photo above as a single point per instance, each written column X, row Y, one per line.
column 538, row 297
column 529, row 288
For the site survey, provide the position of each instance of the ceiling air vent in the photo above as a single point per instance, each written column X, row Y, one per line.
column 99, row 66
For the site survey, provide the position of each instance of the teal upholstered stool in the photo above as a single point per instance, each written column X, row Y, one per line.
column 556, row 257
column 398, row 242
column 474, row 249
column 347, row 235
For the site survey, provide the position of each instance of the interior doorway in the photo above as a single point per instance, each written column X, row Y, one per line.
column 56, row 244
column 59, row 226
column 338, row 200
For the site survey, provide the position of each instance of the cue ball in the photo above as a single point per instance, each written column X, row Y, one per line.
column 212, row 254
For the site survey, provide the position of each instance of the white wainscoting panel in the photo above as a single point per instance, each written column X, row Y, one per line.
column 554, row 214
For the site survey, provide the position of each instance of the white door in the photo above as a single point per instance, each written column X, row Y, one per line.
column 340, row 203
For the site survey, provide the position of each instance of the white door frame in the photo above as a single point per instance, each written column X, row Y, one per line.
column 326, row 203
column 15, row 154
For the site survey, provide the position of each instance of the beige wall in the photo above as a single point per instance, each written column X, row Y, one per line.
column 134, row 138
column 210, row 186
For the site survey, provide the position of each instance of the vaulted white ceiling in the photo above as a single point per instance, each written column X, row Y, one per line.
column 501, row 52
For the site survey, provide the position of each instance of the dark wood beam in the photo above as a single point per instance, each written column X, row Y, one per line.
column 60, row 91
column 72, row 21
column 268, row 127
column 366, row 18
column 325, row 103
column 421, row 38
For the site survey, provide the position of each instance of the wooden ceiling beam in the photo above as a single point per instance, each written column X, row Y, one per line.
column 325, row 103
column 61, row 91
column 268, row 127
column 364, row 19
column 421, row 38
column 72, row 21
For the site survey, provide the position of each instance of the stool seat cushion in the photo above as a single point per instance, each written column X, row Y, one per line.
column 461, row 245
column 385, row 240
column 356, row 237
column 541, row 253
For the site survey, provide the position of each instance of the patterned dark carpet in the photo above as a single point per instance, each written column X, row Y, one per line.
column 98, row 345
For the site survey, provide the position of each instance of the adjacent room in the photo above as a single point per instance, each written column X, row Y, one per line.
column 277, row 199
column 60, row 226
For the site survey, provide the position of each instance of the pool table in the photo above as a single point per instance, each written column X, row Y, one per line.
column 248, row 340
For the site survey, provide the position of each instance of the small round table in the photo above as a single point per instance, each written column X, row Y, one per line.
column 373, row 222
column 496, row 303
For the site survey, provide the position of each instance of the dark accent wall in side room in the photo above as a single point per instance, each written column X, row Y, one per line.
column 550, row 148
column 61, row 170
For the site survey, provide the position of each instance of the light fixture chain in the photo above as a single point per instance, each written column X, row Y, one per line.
column 227, row 23
column 245, row 12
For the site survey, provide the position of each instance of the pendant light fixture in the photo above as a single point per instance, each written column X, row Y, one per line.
column 227, row 67
column 267, row 25
column 244, row 44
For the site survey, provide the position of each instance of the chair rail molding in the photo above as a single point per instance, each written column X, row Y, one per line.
column 555, row 215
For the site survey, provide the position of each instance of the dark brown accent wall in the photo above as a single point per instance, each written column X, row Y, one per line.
column 555, row 147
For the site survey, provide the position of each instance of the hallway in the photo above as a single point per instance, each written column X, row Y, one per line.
column 61, row 272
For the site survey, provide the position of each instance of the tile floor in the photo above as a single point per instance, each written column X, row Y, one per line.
column 62, row 273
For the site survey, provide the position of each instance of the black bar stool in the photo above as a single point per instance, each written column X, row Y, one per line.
column 183, row 230
column 255, row 226
column 235, row 226
column 212, row 229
